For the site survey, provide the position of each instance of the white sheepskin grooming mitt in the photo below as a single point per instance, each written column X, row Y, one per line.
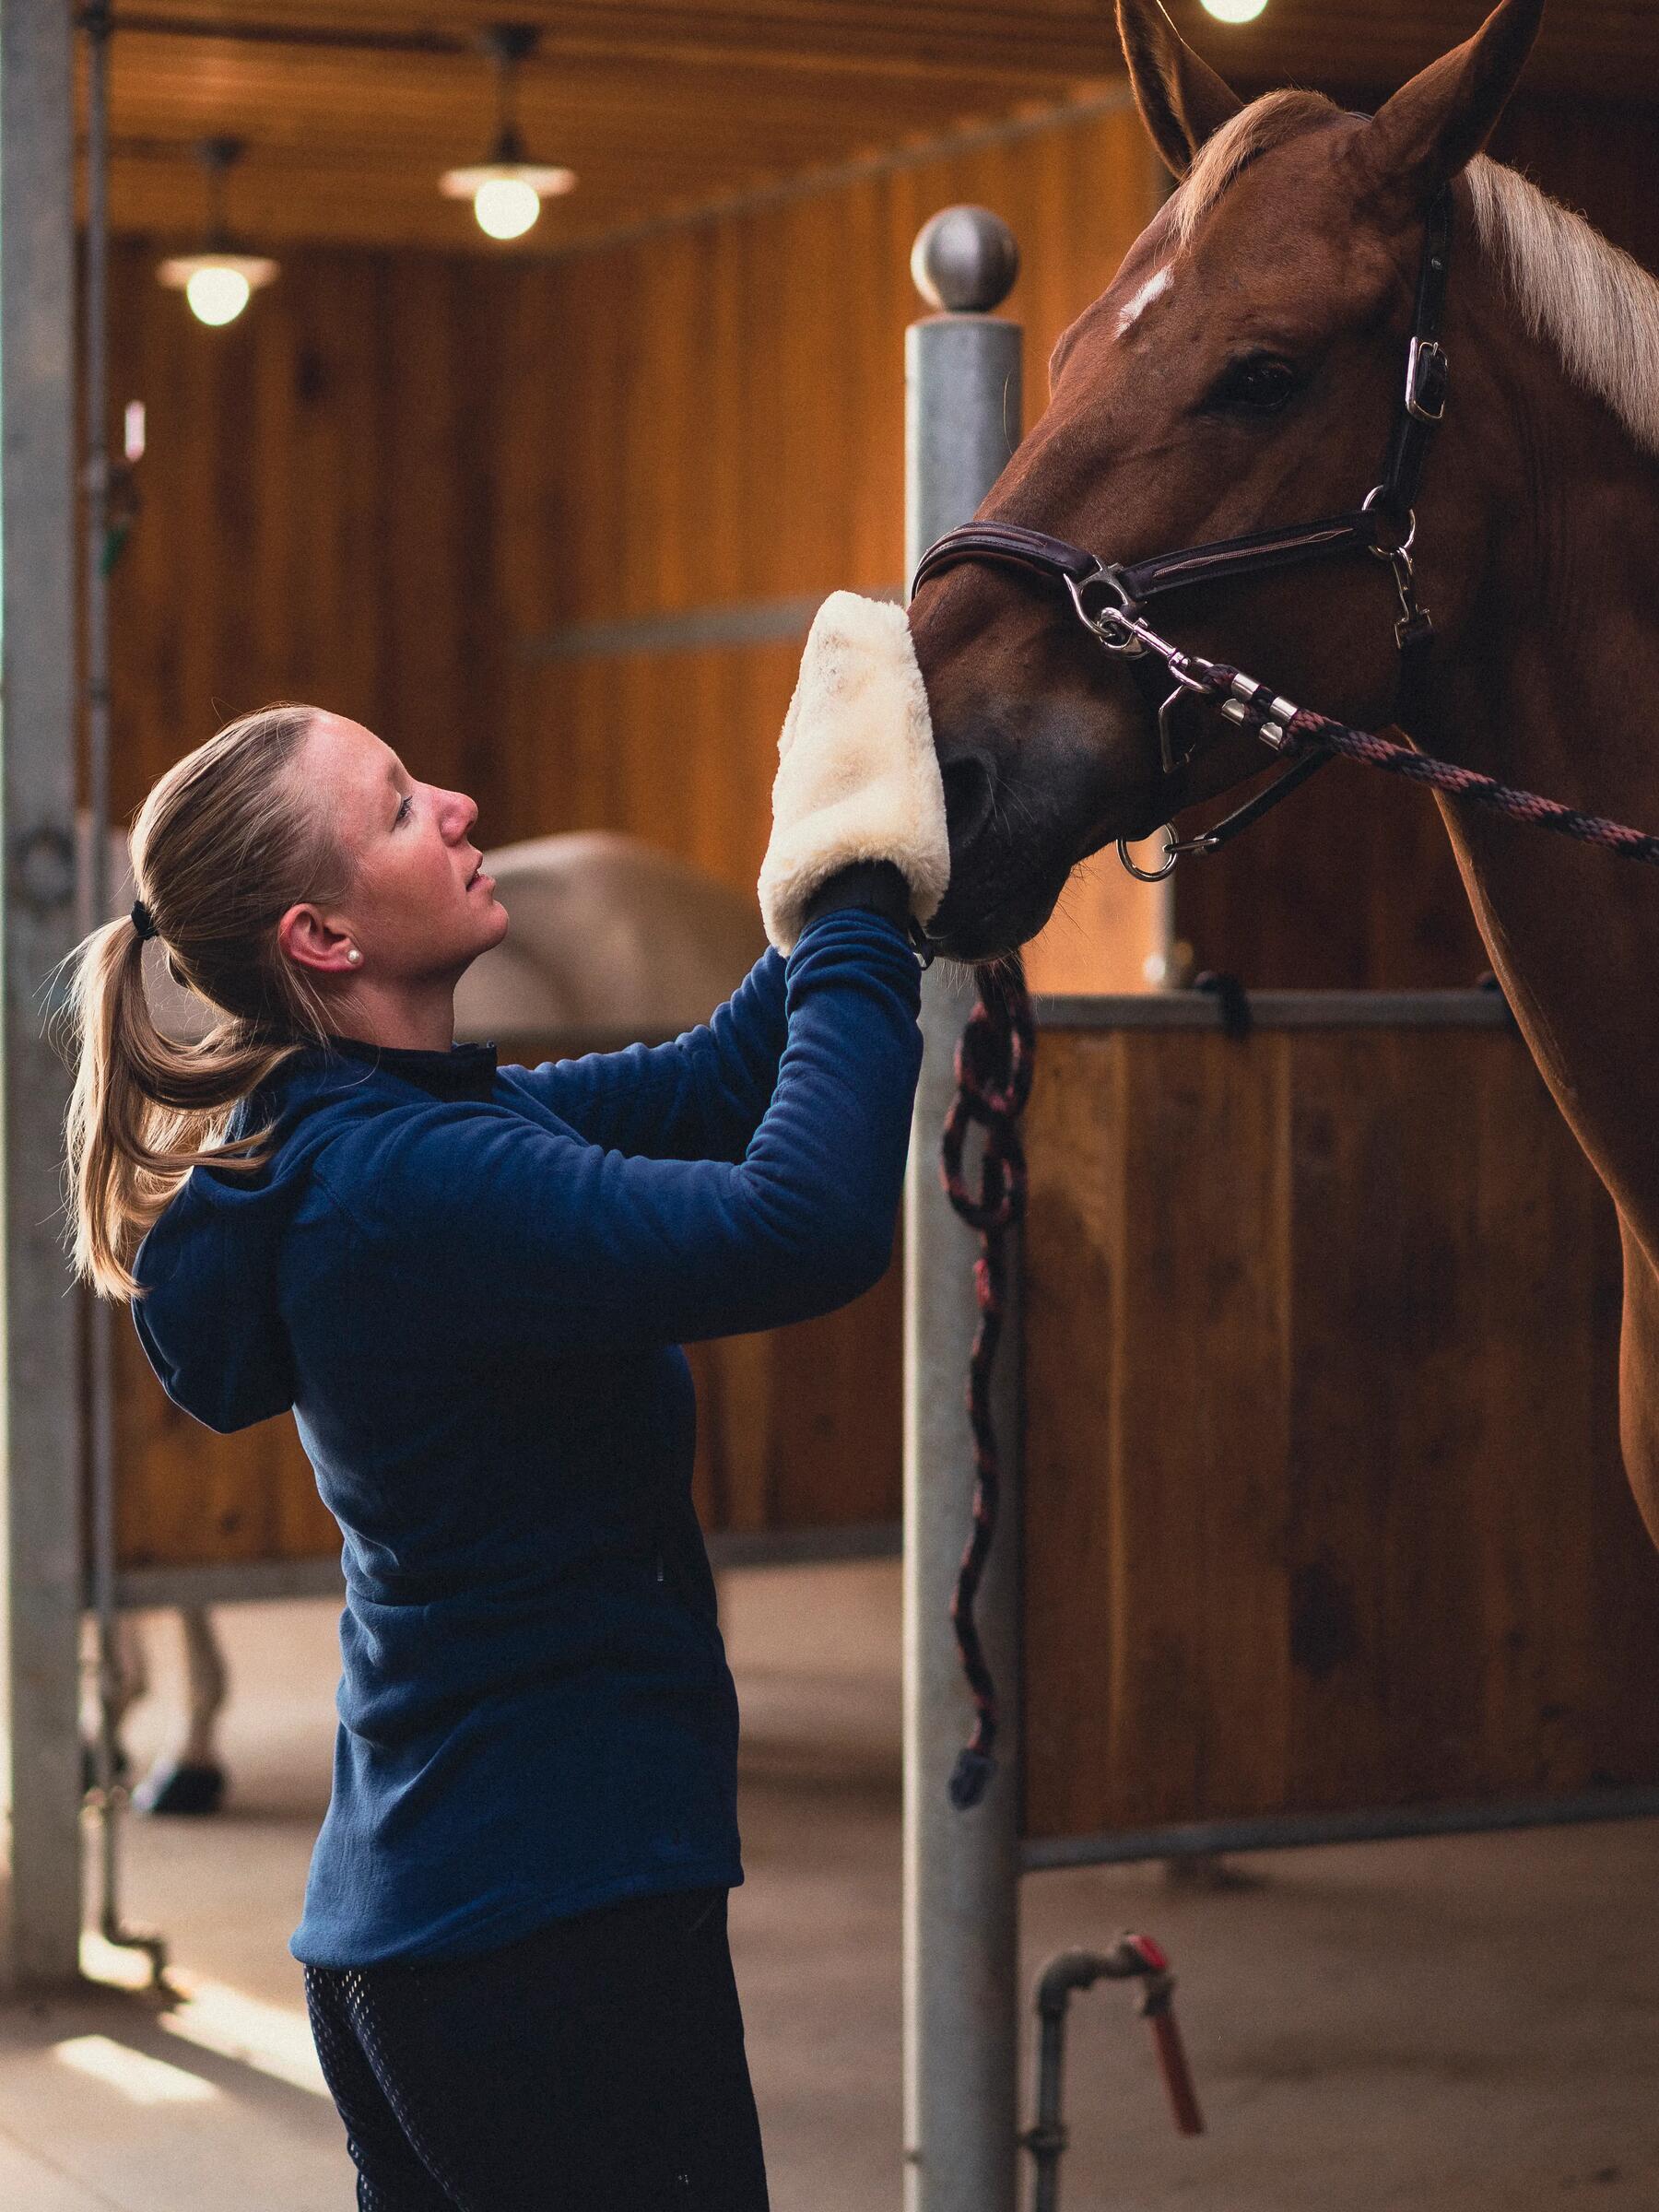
column 857, row 776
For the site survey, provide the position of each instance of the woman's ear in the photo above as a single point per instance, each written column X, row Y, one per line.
column 1183, row 101
column 1432, row 127
column 306, row 938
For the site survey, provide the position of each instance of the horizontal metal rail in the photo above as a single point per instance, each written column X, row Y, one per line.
column 685, row 629
column 229, row 1583
column 244, row 1582
column 1292, row 1832
column 804, row 1547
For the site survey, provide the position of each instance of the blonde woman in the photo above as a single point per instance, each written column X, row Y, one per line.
column 469, row 1284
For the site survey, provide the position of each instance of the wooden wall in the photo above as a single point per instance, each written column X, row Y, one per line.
column 402, row 475
column 1324, row 1507
column 319, row 510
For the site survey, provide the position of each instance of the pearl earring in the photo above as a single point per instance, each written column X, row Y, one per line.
column 354, row 954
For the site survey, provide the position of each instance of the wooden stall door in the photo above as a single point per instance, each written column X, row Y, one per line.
column 187, row 1498
column 1324, row 1504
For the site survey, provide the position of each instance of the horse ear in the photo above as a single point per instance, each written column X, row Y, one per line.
column 1420, row 140
column 1181, row 100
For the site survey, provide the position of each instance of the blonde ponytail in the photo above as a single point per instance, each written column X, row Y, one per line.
column 225, row 844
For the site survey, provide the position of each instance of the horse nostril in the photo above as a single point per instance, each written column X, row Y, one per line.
column 969, row 798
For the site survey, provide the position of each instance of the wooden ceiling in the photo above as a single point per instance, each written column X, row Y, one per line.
column 350, row 109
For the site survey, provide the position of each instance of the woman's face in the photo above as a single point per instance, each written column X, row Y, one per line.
column 414, row 909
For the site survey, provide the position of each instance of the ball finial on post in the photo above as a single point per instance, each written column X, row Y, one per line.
column 965, row 261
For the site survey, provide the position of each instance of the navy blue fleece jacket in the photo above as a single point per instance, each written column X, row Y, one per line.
column 470, row 1284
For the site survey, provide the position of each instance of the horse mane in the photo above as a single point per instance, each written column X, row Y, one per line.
column 1593, row 302
column 1272, row 120
column 1597, row 306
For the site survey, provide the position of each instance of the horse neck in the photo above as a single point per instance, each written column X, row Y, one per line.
column 1552, row 688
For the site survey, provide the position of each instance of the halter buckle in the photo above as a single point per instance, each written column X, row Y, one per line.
column 1427, row 377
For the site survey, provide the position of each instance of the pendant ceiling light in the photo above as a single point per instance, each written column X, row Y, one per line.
column 507, row 191
column 1235, row 11
column 220, row 281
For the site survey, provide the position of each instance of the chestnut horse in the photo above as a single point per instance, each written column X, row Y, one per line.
column 1244, row 372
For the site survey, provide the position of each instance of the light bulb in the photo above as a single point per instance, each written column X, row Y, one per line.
column 506, row 206
column 218, row 295
column 1234, row 11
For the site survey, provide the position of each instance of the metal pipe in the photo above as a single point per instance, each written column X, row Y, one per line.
column 41, row 1566
column 1131, row 1957
column 94, row 901
column 960, row 1868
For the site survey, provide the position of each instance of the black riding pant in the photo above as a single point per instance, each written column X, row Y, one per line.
column 597, row 2066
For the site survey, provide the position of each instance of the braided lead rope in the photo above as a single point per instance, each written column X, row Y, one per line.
column 1316, row 731
column 995, row 1062
column 1482, row 791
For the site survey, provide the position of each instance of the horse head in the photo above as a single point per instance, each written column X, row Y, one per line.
column 1243, row 370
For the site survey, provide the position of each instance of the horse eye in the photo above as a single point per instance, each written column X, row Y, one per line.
column 1260, row 384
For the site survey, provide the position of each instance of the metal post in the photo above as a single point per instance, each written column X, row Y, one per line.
column 93, row 908
column 40, row 1416
column 962, row 375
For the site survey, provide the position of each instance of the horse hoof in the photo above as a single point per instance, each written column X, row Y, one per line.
column 167, row 1788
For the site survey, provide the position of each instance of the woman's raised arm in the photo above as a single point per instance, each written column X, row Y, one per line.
column 506, row 1237
column 699, row 1097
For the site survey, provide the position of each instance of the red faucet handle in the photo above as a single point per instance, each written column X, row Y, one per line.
column 1158, row 2007
column 1149, row 1956
column 1172, row 2065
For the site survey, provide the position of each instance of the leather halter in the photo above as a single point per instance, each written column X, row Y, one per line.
column 1109, row 598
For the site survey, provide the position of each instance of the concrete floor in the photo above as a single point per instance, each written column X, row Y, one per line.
column 1472, row 2024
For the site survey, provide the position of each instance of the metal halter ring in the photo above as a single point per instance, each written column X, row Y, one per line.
column 1173, row 849
column 1108, row 628
column 1369, row 505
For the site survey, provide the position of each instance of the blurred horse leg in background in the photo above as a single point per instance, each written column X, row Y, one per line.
column 132, row 1682
column 192, row 1780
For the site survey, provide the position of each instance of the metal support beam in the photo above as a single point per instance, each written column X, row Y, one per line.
column 1316, row 1832
column 962, row 1997
column 40, row 1416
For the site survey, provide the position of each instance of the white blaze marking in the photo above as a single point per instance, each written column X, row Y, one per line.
column 1154, row 287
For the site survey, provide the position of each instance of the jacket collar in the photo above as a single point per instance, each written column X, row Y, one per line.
column 464, row 1071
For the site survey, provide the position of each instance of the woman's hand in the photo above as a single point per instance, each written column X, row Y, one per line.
column 857, row 777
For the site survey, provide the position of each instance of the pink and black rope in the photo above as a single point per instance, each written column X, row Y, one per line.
column 1481, row 791
column 1316, row 732
column 995, row 1063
